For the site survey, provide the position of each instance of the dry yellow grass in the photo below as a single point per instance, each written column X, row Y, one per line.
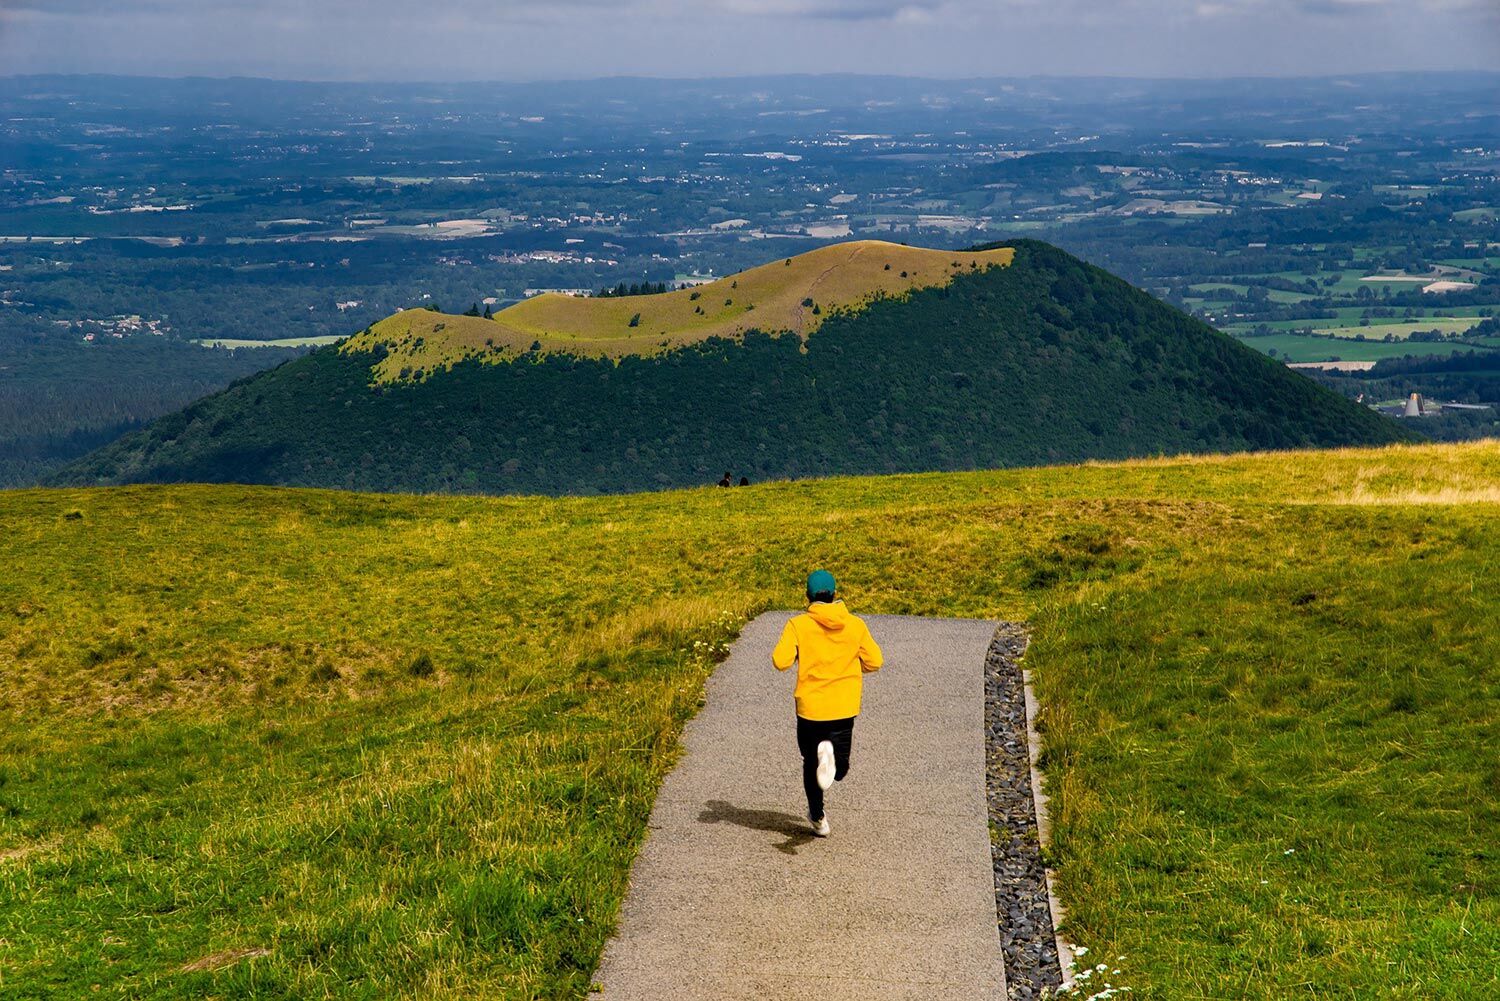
column 1450, row 495
column 770, row 298
column 223, row 958
column 21, row 852
column 1452, row 473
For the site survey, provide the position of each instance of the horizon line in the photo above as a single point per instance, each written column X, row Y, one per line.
column 729, row 78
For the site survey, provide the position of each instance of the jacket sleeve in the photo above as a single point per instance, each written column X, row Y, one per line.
column 785, row 653
column 870, row 657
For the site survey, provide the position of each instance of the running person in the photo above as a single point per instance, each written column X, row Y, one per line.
column 833, row 651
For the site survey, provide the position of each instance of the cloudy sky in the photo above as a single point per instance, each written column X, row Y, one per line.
column 575, row 39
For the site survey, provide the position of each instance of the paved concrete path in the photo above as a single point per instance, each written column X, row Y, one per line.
column 732, row 897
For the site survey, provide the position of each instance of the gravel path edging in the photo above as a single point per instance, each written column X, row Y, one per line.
column 1038, row 960
column 1066, row 958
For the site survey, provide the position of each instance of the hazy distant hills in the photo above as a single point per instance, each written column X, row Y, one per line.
column 856, row 358
column 1233, row 105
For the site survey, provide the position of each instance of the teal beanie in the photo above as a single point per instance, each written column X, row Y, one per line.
column 820, row 581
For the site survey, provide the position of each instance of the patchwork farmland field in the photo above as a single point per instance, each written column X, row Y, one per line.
column 1295, row 348
column 1401, row 331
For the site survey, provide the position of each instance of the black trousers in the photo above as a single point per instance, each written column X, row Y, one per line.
column 812, row 732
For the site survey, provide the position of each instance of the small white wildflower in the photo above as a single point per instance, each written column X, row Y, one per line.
column 1289, row 851
column 1081, row 951
column 1264, row 882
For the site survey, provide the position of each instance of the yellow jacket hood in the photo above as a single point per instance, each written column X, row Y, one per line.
column 833, row 650
column 830, row 614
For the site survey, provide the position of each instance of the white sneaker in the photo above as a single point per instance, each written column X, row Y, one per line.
column 820, row 827
column 825, row 765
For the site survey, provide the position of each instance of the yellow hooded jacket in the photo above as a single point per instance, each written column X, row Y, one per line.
column 833, row 650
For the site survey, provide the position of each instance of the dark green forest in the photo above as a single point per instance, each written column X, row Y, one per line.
column 60, row 398
column 1048, row 360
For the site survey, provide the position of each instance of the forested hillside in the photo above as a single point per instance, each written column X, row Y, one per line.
column 59, row 399
column 1046, row 360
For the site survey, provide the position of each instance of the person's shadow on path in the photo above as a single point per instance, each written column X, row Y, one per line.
column 717, row 811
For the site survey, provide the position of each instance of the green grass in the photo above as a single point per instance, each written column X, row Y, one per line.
column 1350, row 316
column 1448, row 311
column 1348, row 283
column 1242, row 329
column 1403, row 330
column 1490, row 264
column 1207, row 289
column 1348, row 280
column 406, row 745
column 1299, row 348
column 1263, row 778
column 1347, row 324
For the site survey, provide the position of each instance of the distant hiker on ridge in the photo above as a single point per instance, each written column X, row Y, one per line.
column 833, row 651
column 744, row 481
column 727, row 481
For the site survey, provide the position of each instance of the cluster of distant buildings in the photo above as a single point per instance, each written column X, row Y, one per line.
column 550, row 257
column 577, row 293
column 118, row 327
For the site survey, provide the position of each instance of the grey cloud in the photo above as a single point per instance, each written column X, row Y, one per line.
column 838, row 10
column 515, row 39
column 1357, row 8
column 501, row 11
column 480, row 10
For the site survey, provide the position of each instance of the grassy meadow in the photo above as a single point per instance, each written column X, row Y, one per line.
column 1298, row 348
column 1401, row 331
column 293, row 743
